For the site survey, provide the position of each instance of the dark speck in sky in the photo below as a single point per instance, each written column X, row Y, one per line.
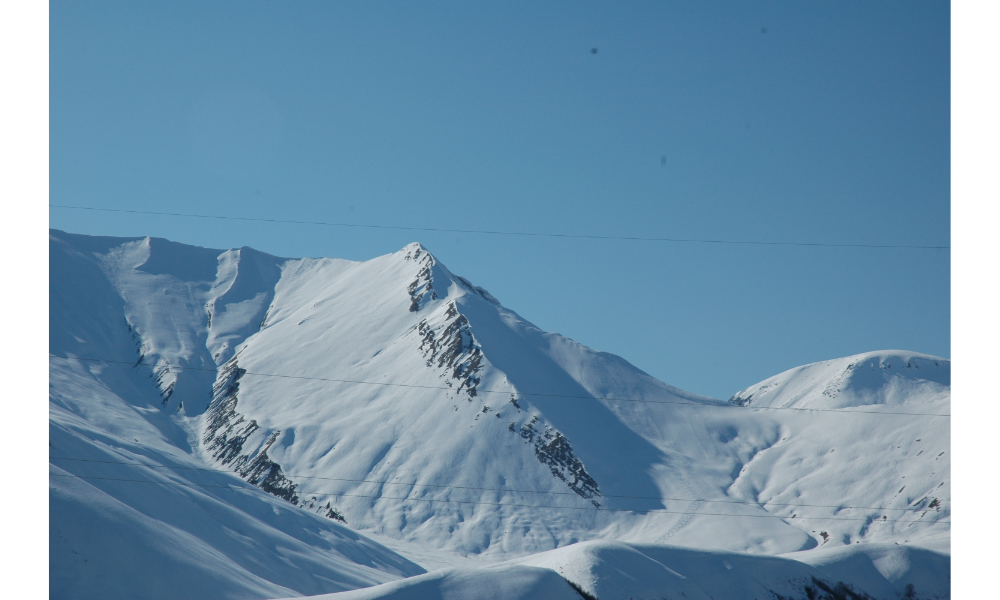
column 663, row 161
column 763, row 29
column 593, row 50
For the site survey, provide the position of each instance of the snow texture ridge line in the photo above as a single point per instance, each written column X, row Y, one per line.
column 515, row 233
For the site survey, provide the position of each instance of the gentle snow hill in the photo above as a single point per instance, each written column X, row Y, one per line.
column 508, row 582
column 617, row 571
column 885, row 570
column 886, row 378
column 401, row 399
column 613, row 570
column 862, row 432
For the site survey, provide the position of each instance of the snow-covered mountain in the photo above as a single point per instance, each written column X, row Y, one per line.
column 890, row 378
column 397, row 399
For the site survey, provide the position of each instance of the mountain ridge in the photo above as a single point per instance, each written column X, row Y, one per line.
column 407, row 402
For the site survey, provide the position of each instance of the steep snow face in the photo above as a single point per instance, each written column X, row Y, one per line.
column 132, row 512
column 887, row 378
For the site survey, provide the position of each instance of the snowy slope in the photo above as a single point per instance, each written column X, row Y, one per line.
column 132, row 512
column 614, row 570
column 863, row 448
column 409, row 403
column 508, row 582
column 474, row 404
column 421, row 395
column 885, row 570
column 887, row 378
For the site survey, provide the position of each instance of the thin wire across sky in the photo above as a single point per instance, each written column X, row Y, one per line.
column 508, row 233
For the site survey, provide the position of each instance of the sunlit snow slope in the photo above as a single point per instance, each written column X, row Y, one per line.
column 132, row 512
column 402, row 400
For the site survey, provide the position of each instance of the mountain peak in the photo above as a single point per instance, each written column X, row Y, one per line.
column 415, row 251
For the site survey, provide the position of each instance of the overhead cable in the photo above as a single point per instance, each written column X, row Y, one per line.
column 509, row 233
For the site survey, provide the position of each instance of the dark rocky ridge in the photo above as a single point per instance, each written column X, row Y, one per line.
column 227, row 431
column 421, row 288
column 226, row 434
column 553, row 449
column 451, row 346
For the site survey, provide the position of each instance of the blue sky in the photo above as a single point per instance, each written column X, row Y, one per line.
column 783, row 121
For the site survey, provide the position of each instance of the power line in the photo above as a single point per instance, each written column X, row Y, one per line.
column 461, row 487
column 518, row 393
column 654, row 510
column 512, row 233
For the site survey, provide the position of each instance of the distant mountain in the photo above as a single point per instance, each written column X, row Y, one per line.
column 396, row 398
column 887, row 378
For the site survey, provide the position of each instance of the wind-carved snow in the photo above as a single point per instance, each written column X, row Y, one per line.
column 746, row 397
column 237, row 303
column 475, row 288
column 188, row 308
column 907, row 489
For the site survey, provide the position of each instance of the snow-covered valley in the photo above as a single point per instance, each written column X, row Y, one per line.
column 229, row 424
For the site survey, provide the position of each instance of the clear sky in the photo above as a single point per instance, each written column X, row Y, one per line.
column 780, row 121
